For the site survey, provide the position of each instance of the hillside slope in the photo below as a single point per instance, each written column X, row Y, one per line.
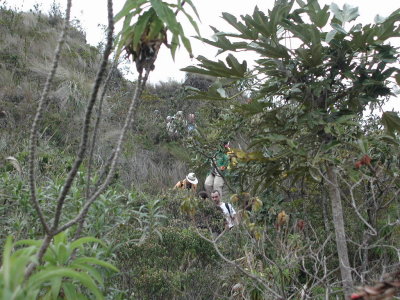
column 27, row 48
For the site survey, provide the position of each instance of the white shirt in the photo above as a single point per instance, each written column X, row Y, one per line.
column 229, row 217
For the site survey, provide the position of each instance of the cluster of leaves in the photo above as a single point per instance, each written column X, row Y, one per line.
column 60, row 274
column 143, row 38
column 315, row 92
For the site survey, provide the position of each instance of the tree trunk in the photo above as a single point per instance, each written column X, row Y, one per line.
column 338, row 222
column 325, row 211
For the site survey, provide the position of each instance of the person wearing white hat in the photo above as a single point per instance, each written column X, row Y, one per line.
column 170, row 125
column 189, row 183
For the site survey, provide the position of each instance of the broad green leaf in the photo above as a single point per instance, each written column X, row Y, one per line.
column 336, row 11
column 268, row 50
column 193, row 22
column 166, row 15
column 55, row 287
column 356, row 28
column 391, row 121
column 330, row 35
column 397, row 77
column 174, row 45
column 379, row 19
column 140, row 26
column 223, row 43
column 92, row 271
column 217, row 69
column 390, row 140
column 62, row 254
column 124, row 35
column 348, row 13
column 338, row 28
column 317, row 15
column 5, row 269
column 344, row 119
column 36, row 243
column 129, row 5
column 211, row 95
column 84, row 240
column 193, row 7
column 185, row 40
column 155, row 28
column 18, row 263
column 69, row 290
column 363, row 145
column 316, row 54
column 302, row 31
column 235, row 65
column 95, row 261
column 38, row 279
column 50, row 257
column 329, row 146
column 301, row 3
column 60, row 238
column 244, row 30
column 260, row 22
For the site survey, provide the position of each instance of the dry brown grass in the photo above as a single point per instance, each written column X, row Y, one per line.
column 146, row 169
column 141, row 171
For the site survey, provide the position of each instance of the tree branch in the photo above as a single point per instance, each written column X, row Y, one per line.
column 34, row 134
column 85, row 132
column 129, row 118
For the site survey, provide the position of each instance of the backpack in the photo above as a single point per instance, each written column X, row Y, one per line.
column 235, row 221
column 229, row 210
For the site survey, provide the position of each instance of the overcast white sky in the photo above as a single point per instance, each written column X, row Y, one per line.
column 91, row 13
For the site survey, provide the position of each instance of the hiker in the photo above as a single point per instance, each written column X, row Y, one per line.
column 170, row 126
column 191, row 123
column 179, row 124
column 227, row 209
column 203, row 195
column 189, row 183
column 179, row 116
column 214, row 180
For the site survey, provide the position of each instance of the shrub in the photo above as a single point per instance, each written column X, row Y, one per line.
column 172, row 266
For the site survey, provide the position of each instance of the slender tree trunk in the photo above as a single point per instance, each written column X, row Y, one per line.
column 325, row 211
column 338, row 222
column 365, row 256
column 371, row 209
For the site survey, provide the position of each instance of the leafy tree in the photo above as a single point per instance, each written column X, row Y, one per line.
column 316, row 73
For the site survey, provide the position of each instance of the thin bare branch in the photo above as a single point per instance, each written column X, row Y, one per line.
column 94, row 140
column 353, row 203
column 85, row 131
column 34, row 129
column 129, row 118
column 96, row 128
column 253, row 277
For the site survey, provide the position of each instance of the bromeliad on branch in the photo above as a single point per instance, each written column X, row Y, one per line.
column 151, row 20
column 144, row 48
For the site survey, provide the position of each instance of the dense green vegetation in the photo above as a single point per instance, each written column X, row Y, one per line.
column 315, row 179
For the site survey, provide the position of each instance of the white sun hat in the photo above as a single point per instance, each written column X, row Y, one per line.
column 192, row 178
